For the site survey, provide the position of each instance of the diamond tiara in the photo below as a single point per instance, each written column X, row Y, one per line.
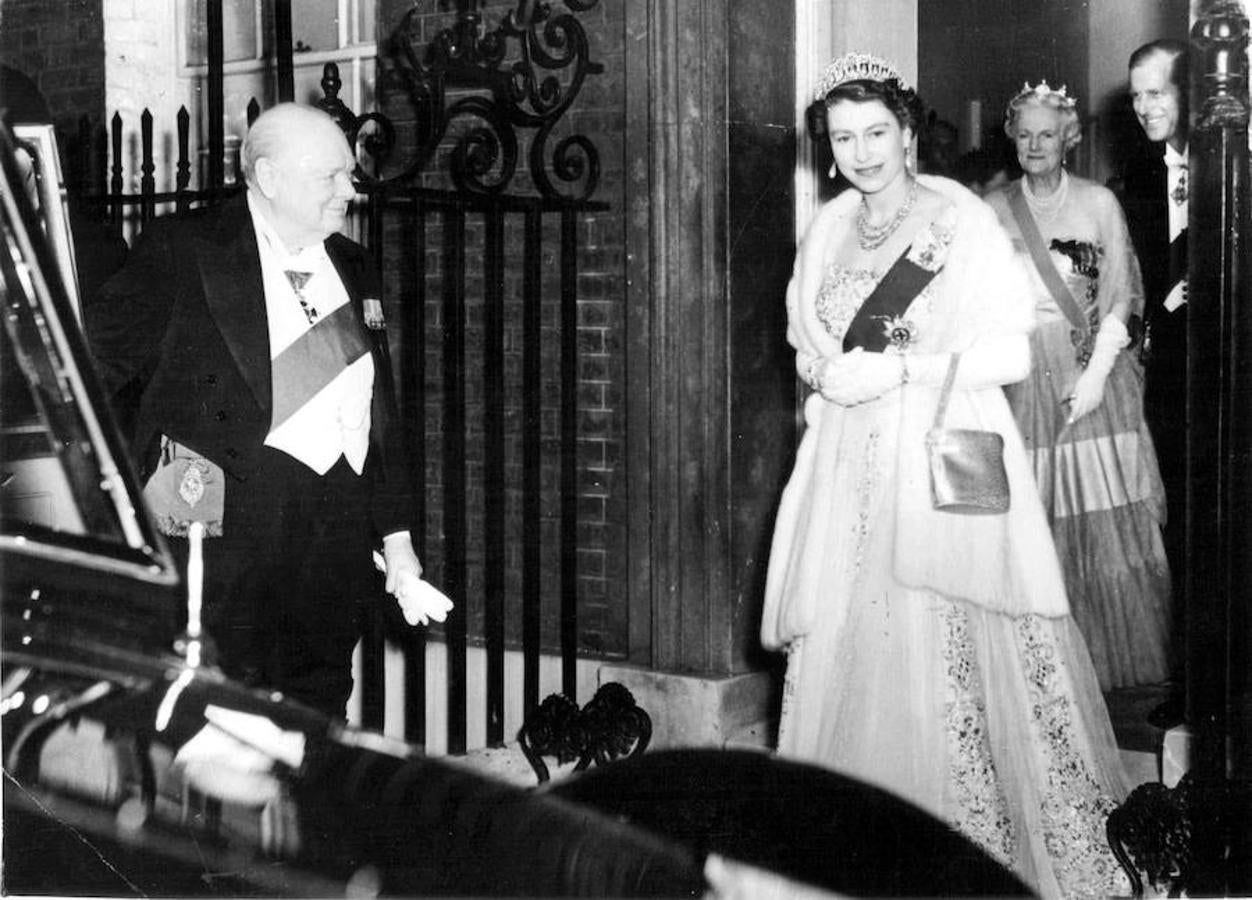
column 1043, row 92
column 855, row 66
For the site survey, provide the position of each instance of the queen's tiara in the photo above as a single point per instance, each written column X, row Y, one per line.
column 855, row 66
column 1058, row 97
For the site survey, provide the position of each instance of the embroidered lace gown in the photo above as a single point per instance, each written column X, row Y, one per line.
column 992, row 722
column 1098, row 478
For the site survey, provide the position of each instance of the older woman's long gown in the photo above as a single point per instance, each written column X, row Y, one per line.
column 983, row 710
column 1099, row 479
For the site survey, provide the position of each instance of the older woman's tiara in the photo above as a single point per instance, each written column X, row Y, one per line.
column 1041, row 92
column 855, row 66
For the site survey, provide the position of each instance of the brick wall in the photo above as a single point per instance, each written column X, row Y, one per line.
column 142, row 64
column 597, row 114
column 61, row 46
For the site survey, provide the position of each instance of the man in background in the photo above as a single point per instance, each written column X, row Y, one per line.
column 1155, row 199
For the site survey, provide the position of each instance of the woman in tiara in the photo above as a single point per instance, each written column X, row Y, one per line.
column 1081, row 410
column 930, row 653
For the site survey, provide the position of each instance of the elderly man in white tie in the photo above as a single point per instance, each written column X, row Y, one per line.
column 255, row 331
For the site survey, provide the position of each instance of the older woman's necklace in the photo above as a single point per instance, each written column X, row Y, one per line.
column 871, row 237
column 1046, row 209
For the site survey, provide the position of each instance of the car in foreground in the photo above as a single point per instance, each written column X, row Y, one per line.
column 133, row 766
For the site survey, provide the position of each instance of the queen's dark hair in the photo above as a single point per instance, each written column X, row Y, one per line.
column 903, row 103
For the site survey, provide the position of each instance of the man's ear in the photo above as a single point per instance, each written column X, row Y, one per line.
column 267, row 175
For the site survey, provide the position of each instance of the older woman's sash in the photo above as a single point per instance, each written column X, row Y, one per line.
column 1043, row 263
column 874, row 323
column 1082, row 334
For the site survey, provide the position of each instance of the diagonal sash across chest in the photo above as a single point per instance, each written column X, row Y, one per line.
column 890, row 298
column 1043, row 263
column 1178, row 257
column 303, row 369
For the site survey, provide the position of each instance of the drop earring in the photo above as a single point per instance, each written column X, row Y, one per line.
column 834, row 170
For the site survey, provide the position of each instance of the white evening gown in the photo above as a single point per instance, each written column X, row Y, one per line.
column 991, row 721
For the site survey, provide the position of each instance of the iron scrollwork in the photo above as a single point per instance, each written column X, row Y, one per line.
column 372, row 130
column 443, row 81
column 610, row 727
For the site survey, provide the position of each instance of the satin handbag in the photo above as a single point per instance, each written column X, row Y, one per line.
column 185, row 488
column 967, row 472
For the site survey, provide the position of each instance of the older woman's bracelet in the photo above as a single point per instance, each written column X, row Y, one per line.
column 810, row 372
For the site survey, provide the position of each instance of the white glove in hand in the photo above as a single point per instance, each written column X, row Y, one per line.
column 1089, row 388
column 857, row 377
column 233, row 756
column 419, row 600
column 1177, row 295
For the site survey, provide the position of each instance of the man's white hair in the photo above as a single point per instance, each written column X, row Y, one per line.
column 280, row 129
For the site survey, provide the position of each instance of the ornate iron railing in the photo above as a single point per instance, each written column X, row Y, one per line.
column 526, row 98
column 485, row 101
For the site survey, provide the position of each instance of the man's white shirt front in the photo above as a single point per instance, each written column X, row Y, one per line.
column 1177, row 184
column 1176, row 176
column 336, row 421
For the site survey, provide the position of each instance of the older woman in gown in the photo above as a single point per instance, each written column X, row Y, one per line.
column 929, row 653
column 1081, row 409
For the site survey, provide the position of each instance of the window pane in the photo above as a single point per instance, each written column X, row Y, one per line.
column 314, row 25
column 366, row 19
column 239, row 35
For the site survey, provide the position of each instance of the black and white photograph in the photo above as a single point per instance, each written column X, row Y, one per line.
column 626, row 448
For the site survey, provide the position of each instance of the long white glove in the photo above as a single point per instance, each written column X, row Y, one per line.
column 856, row 377
column 1089, row 388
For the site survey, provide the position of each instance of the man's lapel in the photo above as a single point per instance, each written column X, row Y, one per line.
column 230, row 270
column 1160, row 186
column 361, row 281
column 350, row 270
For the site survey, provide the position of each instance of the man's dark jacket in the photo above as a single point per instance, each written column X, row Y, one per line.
column 187, row 316
column 1147, row 214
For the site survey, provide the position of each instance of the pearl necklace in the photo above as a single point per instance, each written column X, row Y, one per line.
column 871, row 237
column 1046, row 209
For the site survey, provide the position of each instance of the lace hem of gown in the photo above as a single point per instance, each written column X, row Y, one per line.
column 982, row 811
column 1073, row 806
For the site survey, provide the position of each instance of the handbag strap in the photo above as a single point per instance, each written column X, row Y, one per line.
column 942, row 409
column 1039, row 256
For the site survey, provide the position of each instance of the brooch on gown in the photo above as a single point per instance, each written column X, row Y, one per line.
column 1084, row 258
column 931, row 250
column 1083, row 340
column 901, row 332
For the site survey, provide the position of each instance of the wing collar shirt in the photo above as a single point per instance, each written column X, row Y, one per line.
column 336, row 421
column 1176, row 186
